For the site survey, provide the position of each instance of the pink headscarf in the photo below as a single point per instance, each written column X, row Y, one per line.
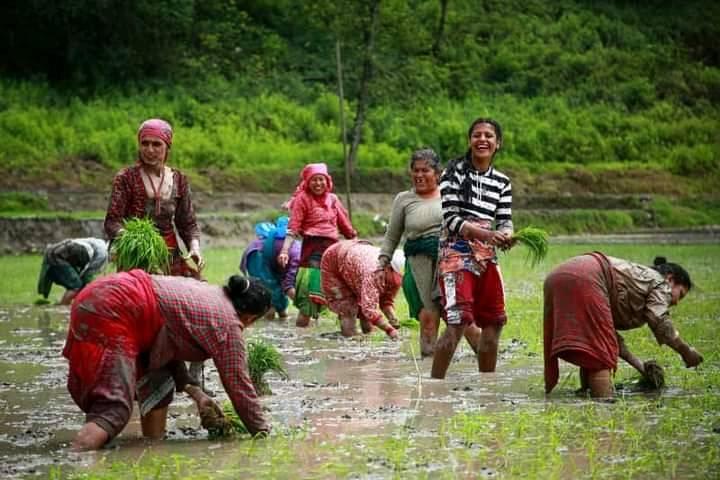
column 303, row 187
column 156, row 127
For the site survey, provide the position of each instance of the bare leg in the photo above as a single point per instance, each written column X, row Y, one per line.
column 283, row 315
column 348, row 326
column 365, row 325
column 445, row 349
column 153, row 423
column 68, row 296
column 270, row 314
column 302, row 320
column 473, row 335
column 429, row 324
column 90, row 437
column 584, row 385
column 600, row 384
column 488, row 348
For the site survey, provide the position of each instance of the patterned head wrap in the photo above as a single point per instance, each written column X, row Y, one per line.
column 312, row 169
column 156, row 127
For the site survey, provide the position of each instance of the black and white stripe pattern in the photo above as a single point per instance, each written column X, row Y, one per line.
column 491, row 197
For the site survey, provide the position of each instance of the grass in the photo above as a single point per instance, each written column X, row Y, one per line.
column 671, row 435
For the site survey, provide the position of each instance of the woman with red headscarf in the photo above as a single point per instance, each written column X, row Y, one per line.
column 317, row 217
column 152, row 189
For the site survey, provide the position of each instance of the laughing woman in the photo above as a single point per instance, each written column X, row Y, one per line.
column 417, row 215
column 317, row 218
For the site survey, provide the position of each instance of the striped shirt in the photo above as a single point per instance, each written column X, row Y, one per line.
column 491, row 198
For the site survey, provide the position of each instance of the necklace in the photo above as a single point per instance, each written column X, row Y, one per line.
column 156, row 191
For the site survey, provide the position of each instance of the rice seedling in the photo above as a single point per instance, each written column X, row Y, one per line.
column 410, row 323
column 263, row 358
column 141, row 246
column 536, row 241
column 232, row 425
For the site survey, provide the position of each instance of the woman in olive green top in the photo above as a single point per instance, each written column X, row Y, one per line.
column 417, row 215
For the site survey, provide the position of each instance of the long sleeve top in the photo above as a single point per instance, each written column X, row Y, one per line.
column 312, row 217
column 95, row 248
column 643, row 297
column 201, row 323
column 413, row 217
column 129, row 199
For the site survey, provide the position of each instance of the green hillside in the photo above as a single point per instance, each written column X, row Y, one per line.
column 624, row 91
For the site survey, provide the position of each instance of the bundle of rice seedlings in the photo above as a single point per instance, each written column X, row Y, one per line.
column 536, row 241
column 232, row 425
column 410, row 323
column 264, row 358
column 141, row 246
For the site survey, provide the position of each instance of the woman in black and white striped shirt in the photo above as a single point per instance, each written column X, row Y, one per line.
column 477, row 218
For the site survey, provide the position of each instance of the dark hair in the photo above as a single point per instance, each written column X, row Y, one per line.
column 462, row 164
column 248, row 295
column 428, row 155
column 679, row 274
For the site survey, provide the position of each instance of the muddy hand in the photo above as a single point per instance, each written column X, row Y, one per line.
column 692, row 358
column 653, row 374
column 211, row 416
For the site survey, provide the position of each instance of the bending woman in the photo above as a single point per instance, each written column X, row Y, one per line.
column 590, row 297
column 126, row 325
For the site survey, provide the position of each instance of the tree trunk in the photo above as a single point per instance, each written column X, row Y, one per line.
column 437, row 44
column 367, row 74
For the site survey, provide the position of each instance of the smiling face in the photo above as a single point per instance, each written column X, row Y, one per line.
column 424, row 177
column 483, row 143
column 318, row 184
column 153, row 152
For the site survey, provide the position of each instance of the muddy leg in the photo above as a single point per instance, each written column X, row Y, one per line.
column 302, row 320
column 153, row 423
column 445, row 349
column 429, row 324
column 584, row 385
column 600, row 383
column 365, row 325
column 90, row 437
column 348, row 326
column 473, row 335
column 488, row 348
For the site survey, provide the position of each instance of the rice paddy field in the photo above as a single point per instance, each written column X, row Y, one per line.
column 366, row 408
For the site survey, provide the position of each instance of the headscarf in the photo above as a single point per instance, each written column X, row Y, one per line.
column 156, row 127
column 309, row 171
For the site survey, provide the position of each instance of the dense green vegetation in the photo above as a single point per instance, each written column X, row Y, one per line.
column 251, row 86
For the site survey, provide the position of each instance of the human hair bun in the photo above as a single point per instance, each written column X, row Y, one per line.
column 237, row 285
column 660, row 261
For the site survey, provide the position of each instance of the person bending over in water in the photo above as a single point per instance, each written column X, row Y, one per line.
column 131, row 329
column 590, row 297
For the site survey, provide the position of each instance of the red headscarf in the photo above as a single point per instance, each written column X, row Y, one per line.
column 156, row 127
column 309, row 171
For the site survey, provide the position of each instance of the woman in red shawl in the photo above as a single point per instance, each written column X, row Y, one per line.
column 590, row 297
column 317, row 217
column 152, row 189
column 131, row 329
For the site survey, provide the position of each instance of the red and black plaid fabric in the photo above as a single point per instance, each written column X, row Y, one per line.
column 202, row 323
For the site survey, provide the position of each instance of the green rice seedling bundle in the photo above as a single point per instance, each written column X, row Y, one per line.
column 410, row 323
column 536, row 242
column 231, row 426
column 264, row 358
column 141, row 246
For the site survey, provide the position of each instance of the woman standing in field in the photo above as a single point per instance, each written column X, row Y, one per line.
column 152, row 189
column 589, row 297
column 260, row 261
column 317, row 217
column 474, row 195
column 417, row 214
column 128, row 324
column 353, row 291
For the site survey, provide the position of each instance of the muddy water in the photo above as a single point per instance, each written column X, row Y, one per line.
column 338, row 388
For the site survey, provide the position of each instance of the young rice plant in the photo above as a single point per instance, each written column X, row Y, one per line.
column 536, row 241
column 141, row 246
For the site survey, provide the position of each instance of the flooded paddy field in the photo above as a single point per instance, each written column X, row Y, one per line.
column 367, row 407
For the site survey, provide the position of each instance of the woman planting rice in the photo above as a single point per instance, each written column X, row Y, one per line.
column 131, row 328
column 152, row 189
column 589, row 297
column 417, row 214
column 353, row 290
column 474, row 196
column 71, row 263
column 317, row 217
column 260, row 261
